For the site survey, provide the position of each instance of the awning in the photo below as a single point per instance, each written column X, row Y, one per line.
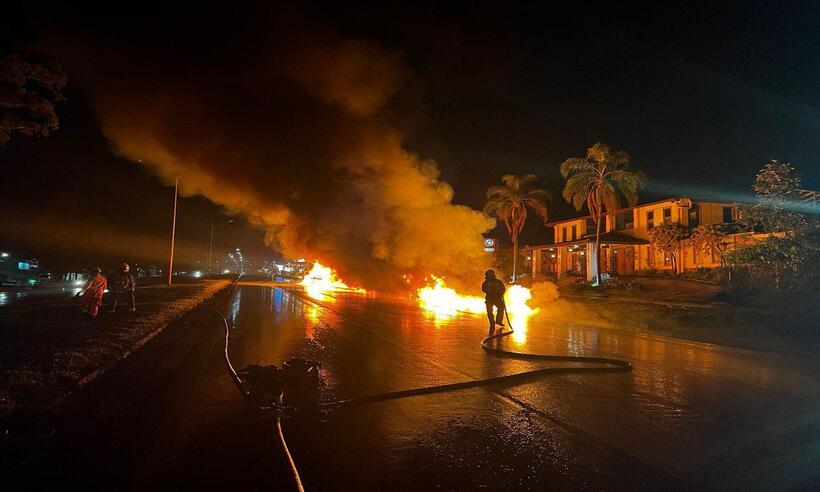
column 619, row 238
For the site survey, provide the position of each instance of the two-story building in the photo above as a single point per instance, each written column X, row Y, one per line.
column 625, row 243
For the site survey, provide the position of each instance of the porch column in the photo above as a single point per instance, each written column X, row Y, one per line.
column 561, row 264
column 592, row 263
column 536, row 262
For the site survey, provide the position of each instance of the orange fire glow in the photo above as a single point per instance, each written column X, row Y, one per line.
column 321, row 280
column 445, row 303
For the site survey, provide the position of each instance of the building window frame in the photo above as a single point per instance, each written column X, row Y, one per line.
column 728, row 215
column 591, row 228
column 624, row 221
column 694, row 213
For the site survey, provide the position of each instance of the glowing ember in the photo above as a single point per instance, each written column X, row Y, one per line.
column 322, row 279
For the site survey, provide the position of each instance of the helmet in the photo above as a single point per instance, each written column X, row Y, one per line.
column 489, row 274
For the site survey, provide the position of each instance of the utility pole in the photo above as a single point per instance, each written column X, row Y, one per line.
column 173, row 230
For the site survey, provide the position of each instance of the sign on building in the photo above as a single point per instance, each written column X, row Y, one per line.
column 490, row 245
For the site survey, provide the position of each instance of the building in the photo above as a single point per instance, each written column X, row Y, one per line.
column 625, row 244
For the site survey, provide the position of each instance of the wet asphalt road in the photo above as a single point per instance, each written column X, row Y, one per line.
column 690, row 415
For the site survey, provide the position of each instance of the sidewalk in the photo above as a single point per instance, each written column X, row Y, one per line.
column 49, row 348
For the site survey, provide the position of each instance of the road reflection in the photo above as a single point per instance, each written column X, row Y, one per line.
column 668, row 418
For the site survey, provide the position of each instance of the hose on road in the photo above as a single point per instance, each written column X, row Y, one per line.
column 246, row 394
column 603, row 365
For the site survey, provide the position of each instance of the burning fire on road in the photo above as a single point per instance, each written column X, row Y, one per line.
column 439, row 300
column 444, row 302
column 321, row 280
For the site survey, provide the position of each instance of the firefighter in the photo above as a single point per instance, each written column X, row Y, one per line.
column 92, row 293
column 494, row 297
column 123, row 285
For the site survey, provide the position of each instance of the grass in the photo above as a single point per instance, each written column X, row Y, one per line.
column 766, row 319
column 50, row 348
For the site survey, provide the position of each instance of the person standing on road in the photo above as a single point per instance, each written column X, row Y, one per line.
column 494, row 297
column 92, row 293
column 123, row 284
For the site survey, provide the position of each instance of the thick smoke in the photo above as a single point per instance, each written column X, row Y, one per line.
column 292, row 130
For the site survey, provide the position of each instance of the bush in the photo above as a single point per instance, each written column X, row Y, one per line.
column 717, row 275
column 652, row 273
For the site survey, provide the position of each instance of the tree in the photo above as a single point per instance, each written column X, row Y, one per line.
column 28, row 90
column 793, row 237
column 775, row 187
column 602, row 181
column 667, row 237
column 773, row 257
column 510, row 202
column 711, row 238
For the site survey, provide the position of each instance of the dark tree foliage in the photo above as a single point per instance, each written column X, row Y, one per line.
column 791, row 247
column 29, row 88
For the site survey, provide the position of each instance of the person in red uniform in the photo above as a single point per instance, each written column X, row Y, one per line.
column 93, row 293
column 494, row 297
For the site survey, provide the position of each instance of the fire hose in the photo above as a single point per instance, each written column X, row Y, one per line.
column 609, row 365
column 274, row 406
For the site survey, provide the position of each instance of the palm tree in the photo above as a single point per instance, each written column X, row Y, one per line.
column 602, row 180
column 510, row 202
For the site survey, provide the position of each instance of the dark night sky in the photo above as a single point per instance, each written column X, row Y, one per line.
column 700, row 96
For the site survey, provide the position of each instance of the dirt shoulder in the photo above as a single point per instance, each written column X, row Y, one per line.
column 50, row 348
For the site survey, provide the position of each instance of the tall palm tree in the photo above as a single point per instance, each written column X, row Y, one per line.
column 510, row 202
column 602, row 180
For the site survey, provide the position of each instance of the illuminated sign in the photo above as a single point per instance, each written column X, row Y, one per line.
column 489, row 245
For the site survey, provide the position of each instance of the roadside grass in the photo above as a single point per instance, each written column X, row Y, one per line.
column 766, row 319
column 49, row 350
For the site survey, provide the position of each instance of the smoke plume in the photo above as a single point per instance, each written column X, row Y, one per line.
column 290, row 126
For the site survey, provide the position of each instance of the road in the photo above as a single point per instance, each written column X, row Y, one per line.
column 690, row 415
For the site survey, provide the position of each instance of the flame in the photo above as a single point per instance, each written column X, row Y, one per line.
column 445, row 303
column 321, row 280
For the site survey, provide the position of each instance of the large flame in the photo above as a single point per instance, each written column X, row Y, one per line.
column 321, row 280
column 445, row 303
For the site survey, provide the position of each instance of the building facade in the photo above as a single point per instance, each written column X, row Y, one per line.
column 625, row 240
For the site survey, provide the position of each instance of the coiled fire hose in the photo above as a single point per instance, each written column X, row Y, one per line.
column 602, row 365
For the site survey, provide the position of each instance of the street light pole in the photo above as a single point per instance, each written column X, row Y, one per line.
column 211, row 250
column 173, row 230
column 211, row 247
